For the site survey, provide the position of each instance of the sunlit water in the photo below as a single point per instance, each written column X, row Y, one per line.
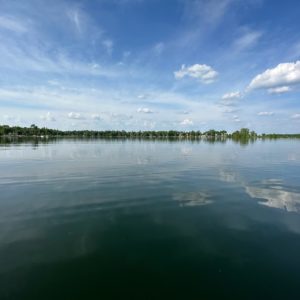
column 123, row 219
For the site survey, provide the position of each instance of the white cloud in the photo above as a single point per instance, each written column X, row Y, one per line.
column 295, row 116
column 15, row 58
column 185, row 112
column 144, row 110
column 236, row 119
column 8, row 118
column 142, row 96
column 186, row 122
column 12, row 24
column 283, row 74
column 33, row 51
column 230, row 110
column 75, row 116
column 126, row 54
column 48, row 117
column 11, row 118
column 228, row 102
column 120, row 117
column 279, row 90
column 53, row 82
column 76, row 17
column 96, row 117
column 210, row 12
column 159, row 48
column 266, row 113
column 247, row 40
column 230, row 99
column 231, row 96
column 108, row 45
column 115, row 112
column 149, row 124
column 204, row 73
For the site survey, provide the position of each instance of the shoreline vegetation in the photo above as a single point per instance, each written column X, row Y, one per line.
column 35, row 132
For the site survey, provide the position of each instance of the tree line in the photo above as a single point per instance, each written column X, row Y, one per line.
column 35, row 131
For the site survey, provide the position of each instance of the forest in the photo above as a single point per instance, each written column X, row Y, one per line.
column 35, row 131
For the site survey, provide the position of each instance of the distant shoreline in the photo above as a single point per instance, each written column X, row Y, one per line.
column 35, row 132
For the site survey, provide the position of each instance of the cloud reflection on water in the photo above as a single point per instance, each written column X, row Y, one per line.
column 276, row 197
column 273, row 191
column 193, row 198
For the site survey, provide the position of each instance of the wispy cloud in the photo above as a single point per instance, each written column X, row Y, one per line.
column 142, row 96
column 266, row 113
column 35, row 58
column 108, row 45
column 295, row 116
column 210, row 12
column 76, row 17
column 48, row 117
column 232, row 96
column 230, row 110
column 13, row 24
column 159, row 48
column 145, row 110
column 96, row 117
column 247, row 40
column 186, row 122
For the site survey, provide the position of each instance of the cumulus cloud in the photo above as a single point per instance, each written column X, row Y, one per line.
column 279, row 90
column 186, row 122
column 75, row 116
column 282, row 75
column 231, row 96
column 266, row 113
column 144, row 110
column 204, row 73
column 48, row 117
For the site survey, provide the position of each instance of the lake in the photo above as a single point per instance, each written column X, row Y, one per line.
column 149, row 219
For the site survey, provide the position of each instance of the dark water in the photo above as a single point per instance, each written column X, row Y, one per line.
column 150, row 220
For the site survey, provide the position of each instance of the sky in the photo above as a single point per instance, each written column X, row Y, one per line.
column 151, row 64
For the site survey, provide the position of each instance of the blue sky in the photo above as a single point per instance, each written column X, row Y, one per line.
column 150, row 64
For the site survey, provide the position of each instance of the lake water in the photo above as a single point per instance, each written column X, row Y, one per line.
column 130, row 219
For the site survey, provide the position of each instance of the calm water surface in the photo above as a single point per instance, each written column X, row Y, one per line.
column 136, row 219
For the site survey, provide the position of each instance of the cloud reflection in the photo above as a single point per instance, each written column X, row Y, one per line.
column 276, row 197
column 273, row 191
column 192, row 198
